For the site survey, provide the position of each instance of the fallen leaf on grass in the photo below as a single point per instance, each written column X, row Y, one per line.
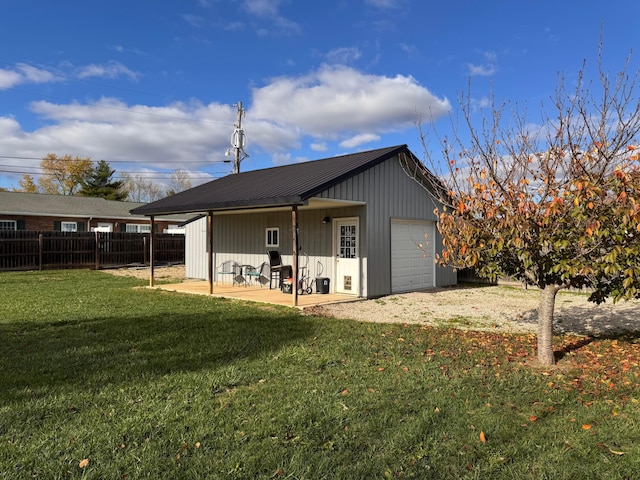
column 483, row 439
column 533, row 418
column 83, row 463
column 616, row 452
column 586, row 426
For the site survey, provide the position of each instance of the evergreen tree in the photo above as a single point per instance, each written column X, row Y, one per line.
column 99, row 183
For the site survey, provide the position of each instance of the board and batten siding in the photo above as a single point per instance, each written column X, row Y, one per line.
column 195, row 249
column 389, row 194
column 242, row 237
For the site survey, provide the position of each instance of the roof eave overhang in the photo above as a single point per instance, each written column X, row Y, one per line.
column 291, row 201
column 73, row 215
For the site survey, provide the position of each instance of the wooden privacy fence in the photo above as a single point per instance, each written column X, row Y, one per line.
column 35, row 250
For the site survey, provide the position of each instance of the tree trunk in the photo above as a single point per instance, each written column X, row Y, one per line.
column 545, row 324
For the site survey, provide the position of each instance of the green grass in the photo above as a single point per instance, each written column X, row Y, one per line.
column 150, row 384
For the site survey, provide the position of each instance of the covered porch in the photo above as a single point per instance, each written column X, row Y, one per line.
column 238, row 234
column 254, row 293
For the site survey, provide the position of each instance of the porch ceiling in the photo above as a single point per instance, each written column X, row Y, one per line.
column 311, row 204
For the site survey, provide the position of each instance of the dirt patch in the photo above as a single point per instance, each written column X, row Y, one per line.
column 176, row 272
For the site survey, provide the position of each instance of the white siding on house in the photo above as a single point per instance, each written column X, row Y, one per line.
column 195, row 249
column 241, row 237
column 389, row 194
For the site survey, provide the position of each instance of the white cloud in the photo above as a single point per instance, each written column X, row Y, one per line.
column 262, row 8
column 286, row 27
column 23, row 73
column 490, row 56
column 358, row 140
column 333, row 100
column 27, row 74
column 269, row 10
column 410, row 49
column 281, row 158
column 384, row 4
column 9, row 79
column 329, row 106
column 488, row 68
column 193, row 20
column 343, row 55
column 479, row 103
column 109, row 70
column 114, row 131
column 481, row 70
column 35, row 75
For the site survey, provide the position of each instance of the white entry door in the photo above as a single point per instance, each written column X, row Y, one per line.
column 347, row 255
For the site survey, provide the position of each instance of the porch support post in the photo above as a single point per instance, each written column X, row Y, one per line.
column 294, row 286
column 152, row 253
column 210, row 249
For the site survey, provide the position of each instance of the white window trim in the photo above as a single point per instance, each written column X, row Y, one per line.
column 138, row 228
column 268, row 231
column 68, row 226
column 5, row 225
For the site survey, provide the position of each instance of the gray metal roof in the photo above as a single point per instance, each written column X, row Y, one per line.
column 19, row 203
column 277, row 186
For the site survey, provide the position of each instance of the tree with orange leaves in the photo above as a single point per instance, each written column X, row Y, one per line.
column 555, row 205
column 63, row 175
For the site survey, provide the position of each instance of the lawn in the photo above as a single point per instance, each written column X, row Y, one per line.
column 101, row 380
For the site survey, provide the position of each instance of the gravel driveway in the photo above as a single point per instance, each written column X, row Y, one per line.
column 492, row 308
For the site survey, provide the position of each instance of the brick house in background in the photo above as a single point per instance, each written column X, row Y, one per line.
column 35, row 211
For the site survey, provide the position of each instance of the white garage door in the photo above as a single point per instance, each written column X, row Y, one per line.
column 412, row 267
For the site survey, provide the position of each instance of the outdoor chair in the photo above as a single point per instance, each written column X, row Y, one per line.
column 259, row 275
column 277, row 269
column 232, row 269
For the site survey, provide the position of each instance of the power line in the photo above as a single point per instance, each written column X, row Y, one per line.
column 147, row 174
column 204, row 162
column 238, row 133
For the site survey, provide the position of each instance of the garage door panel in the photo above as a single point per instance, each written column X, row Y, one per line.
column 412, row 267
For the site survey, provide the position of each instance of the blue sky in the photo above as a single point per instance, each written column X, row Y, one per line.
column 150, row 85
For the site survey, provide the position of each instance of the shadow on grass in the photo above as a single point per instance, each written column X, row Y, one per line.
column 607, row 320
column 92, row 353
column 598, row 321
column 572, row 347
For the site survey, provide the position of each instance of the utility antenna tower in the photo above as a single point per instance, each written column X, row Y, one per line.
column 237, row 141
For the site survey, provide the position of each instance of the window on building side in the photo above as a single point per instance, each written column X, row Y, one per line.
column 138, row 228
column 273, row 237
column 8, row 225
column 69, row 226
